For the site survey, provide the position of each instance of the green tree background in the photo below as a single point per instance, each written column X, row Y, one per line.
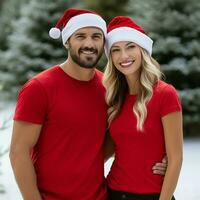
column 175, row 29
column 26, row 49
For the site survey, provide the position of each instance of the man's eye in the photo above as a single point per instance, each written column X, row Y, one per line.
column 80, row 36
column 97, row 37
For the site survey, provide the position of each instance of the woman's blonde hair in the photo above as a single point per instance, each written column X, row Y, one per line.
column 117, row 88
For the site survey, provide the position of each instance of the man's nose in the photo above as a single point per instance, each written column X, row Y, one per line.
column 89, row 43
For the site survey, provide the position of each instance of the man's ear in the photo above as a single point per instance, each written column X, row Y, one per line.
column 66, row 45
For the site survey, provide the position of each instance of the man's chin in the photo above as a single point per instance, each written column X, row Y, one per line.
column 92, row 57
column 89, row 64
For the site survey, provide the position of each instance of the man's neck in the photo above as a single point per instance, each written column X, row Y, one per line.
column 77, row 72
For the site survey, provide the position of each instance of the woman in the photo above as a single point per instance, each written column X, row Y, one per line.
column 145, row 116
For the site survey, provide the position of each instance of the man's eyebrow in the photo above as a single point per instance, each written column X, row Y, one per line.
column 79, row 34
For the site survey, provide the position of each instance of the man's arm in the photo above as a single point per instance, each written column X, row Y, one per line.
column 160, row 168
column 108, row 147
column 24, row 137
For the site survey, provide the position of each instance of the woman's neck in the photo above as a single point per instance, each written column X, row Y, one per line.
column 133, row 84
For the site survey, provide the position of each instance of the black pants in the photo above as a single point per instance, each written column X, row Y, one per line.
column 119, row 195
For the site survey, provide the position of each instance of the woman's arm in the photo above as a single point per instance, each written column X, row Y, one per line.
column 173, row 133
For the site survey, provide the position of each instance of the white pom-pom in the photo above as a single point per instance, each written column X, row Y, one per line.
column 54, row 33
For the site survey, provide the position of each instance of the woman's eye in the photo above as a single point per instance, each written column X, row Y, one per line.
column 114, row 50
column 131, row 46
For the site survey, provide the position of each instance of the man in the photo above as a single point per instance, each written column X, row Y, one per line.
column 61, row 119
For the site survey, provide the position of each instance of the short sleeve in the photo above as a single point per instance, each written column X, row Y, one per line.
column 169, row 101
column 31, row 103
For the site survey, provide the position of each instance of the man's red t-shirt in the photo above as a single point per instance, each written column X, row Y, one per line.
column 68, row 157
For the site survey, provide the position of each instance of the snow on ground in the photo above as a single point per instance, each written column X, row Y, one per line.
column 188, row 185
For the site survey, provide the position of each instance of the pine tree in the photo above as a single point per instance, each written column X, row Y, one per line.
column 30, row 49
column 1, row 3
column 140, row 11
column 108, row 9
column 9, row 13
column 174, row 26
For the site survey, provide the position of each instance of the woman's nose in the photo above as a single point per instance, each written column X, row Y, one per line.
column 124, row 54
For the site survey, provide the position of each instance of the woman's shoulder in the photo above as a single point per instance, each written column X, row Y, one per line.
column 166, row 96
column 99, row 73
column 163, row 87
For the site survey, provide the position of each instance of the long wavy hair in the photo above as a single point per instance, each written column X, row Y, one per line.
column 117, row 88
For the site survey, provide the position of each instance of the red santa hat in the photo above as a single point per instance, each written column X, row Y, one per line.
column 123, row 28
column 74, row 19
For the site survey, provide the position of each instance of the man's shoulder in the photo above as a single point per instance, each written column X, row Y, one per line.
column 48, row 76
column 48, row 73
column 43, row 79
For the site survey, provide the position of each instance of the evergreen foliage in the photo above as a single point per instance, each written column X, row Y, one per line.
column 26, row 48
column 30, row 49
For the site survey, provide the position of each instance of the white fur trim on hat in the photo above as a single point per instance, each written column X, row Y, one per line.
column 128, row 34
column 54, row 33
column 81, row 21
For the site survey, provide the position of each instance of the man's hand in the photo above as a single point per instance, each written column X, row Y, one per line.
column 160, row 168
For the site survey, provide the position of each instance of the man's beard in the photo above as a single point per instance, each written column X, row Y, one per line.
column 88, row 61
